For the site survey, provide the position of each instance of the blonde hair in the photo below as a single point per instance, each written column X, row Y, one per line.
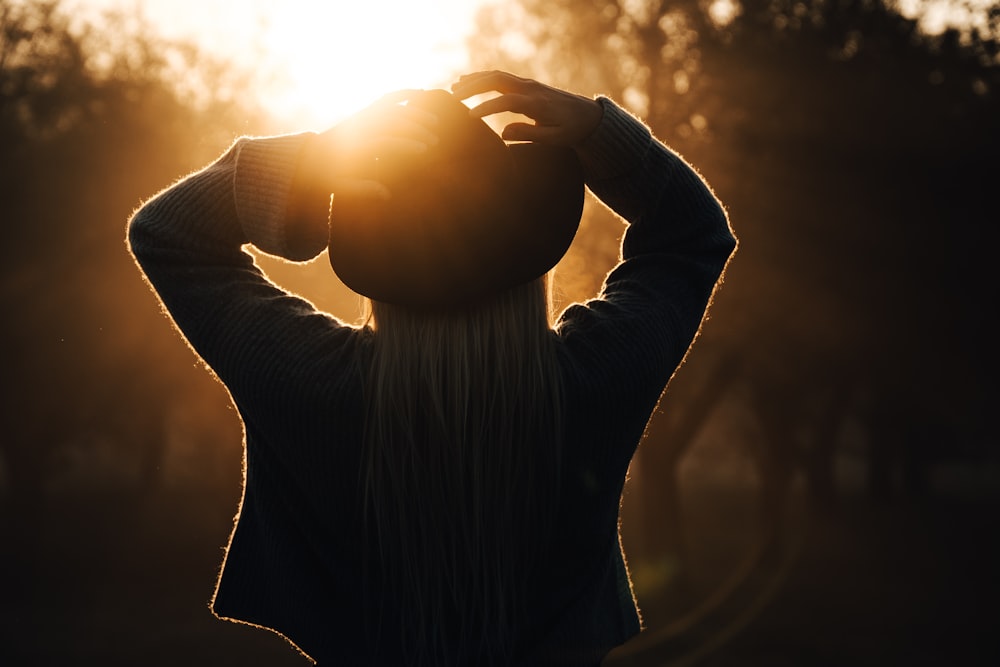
column 460, row 467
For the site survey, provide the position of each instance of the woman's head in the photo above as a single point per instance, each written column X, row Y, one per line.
column 467, row 218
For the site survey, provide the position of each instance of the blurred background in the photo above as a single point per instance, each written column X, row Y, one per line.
column 821, row 482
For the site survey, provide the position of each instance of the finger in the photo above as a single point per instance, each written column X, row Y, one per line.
column 484, row 82
column 468, row 85
column 521, row 104
column 500, row 79
column 541, row 134
column 520, row 132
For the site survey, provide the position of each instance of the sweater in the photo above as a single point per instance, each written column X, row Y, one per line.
column 293, row 564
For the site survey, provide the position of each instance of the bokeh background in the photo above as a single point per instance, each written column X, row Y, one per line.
column 821, row 483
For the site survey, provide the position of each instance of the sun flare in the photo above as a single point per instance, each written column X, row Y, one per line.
column 316, row 62
column 333, row 59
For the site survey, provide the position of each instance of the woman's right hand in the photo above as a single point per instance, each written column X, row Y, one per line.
column 337, row 160
column 560, row 118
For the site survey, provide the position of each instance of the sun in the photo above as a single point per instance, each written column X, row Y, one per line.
column 332, row 59
column 314, row 62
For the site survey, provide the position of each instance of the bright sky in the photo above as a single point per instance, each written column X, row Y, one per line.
column 328, row 57
column 935, row 16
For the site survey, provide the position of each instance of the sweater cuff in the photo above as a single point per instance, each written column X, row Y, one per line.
column 617, row 146
column 265, row 169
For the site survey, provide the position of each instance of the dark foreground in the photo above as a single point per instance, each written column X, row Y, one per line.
column 125, row 581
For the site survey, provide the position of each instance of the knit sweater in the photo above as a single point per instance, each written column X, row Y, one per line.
column 294, row 564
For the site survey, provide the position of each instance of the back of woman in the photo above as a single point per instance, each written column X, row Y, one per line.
column 460, row 469
column 440, row 486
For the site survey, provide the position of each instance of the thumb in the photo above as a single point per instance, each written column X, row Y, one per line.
column 520, row 132
column 543, row 134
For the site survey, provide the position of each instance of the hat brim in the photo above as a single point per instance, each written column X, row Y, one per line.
column 472, row 219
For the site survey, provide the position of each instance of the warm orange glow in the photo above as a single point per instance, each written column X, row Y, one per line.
column 936, row 16
column 334, row 58
column 316, row 62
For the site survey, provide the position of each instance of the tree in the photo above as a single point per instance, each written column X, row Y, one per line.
column 852, row 149
column 93, row 118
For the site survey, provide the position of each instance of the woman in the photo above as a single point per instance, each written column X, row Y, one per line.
column 441, row 485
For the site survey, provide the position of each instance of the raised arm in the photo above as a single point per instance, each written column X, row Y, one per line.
column 678, row 240
column 273, row 193
column 560, row 118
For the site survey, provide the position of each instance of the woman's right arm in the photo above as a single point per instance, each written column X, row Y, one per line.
column 675, row 248
column 631, row 172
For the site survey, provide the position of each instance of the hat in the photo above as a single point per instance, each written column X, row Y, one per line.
column 469, row 217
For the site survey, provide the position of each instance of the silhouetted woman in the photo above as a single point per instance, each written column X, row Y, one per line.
column 441, row 485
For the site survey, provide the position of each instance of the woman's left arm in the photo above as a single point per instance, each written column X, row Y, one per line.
column 188, row 240
column 273, row 193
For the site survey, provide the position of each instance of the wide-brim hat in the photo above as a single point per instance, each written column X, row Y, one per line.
column 470, row 217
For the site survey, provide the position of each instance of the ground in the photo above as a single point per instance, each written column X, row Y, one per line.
column 126, row 581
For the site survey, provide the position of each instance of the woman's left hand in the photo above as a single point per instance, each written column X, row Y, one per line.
column 559, row 117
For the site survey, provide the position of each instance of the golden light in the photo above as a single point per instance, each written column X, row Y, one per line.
column 936, row 16
column 331, row 59
column 316, row 62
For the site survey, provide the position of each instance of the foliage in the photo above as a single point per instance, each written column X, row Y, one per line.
column 855, row 152
column 95, row 116
column 646, row 52
column 835, row 130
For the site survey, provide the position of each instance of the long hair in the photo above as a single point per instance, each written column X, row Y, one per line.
column 460, row 468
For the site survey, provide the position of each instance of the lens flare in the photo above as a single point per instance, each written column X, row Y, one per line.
column 338, row 57
column 316, row 62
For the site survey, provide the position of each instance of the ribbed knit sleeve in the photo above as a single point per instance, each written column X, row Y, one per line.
column 626, row 344
column 295, row 376
column 263, row 183
column 613, row 157
column 188, row 240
